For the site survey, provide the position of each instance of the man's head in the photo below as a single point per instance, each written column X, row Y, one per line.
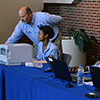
column 25, row 15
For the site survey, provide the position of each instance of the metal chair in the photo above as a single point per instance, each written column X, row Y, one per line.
column 66, row 57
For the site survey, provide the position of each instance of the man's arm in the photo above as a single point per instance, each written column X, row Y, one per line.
column 53, row 19
column 16, row 35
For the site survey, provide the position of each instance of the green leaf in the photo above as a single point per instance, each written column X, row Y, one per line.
column 72, row 32
column 77, row 39
column 94, row 39
column 82, row 30
column 87, row 46
column 84, row 35
column 81, row 45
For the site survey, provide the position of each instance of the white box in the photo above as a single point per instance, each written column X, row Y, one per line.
column 15, row 54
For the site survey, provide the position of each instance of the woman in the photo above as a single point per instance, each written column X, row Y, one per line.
column 46, row 47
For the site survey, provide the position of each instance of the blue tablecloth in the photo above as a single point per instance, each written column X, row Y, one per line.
column 2, row 87
column 26, row 83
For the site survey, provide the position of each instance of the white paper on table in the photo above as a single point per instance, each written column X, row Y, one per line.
column 89, row 83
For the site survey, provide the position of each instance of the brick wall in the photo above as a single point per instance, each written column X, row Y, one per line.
column 85, row 15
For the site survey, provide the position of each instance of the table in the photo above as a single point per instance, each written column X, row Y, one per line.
column 2, row 87
column 28, row 83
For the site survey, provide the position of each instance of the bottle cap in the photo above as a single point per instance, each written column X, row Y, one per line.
column 80, row 65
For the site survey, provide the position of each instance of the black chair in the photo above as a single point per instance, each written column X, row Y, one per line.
column 66, row 57
column 97, row 63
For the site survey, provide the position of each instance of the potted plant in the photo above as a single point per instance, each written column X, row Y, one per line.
column 82, row 39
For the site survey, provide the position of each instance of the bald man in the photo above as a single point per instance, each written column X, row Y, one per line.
column 29, row 25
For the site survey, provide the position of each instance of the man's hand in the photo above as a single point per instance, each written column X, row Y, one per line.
column 73, row 69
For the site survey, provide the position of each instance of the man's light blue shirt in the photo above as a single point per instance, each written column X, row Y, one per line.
column 51, row 49
column 31, row 30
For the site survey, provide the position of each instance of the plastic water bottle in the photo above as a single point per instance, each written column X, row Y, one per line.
column 80, row 75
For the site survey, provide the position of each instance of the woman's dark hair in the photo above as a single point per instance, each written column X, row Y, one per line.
column 28, row 10
column 47, row 30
